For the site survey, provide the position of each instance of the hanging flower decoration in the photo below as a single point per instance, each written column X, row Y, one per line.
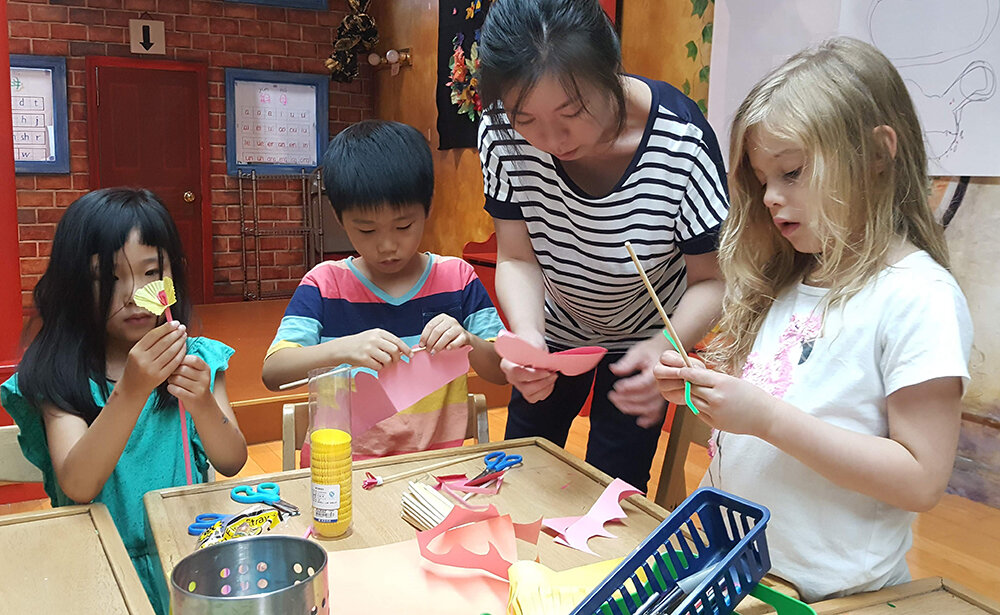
column 356, row 34
column 465, row 79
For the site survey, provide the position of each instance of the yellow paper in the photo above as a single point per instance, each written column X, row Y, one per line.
column 538, row 590
column 148, row 297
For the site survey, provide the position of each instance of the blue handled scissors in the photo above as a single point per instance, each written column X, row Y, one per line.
column 269, row 493
column 497, row 461
column 204, row 521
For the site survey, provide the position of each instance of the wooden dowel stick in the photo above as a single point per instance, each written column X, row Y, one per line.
column 659, row 306
column 429, row 468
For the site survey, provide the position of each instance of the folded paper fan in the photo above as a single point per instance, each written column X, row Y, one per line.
column 537, row 590
column 156, row 296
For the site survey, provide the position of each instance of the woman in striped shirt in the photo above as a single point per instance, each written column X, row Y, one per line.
column 579, row 157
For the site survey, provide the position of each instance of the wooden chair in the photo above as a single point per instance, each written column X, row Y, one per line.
column 14, row 467
column 685, row 429
column 295, row 421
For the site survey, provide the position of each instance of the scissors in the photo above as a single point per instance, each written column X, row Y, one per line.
column 269, row 493
column 204, row 521
column 497, row 461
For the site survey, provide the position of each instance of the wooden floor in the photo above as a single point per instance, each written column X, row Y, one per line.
column 958, row 539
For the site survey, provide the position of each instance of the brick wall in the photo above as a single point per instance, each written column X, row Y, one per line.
column 212, row 32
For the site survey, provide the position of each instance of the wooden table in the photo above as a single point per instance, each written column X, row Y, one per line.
column 934, row 595
column 67, row 560
column 551, row 482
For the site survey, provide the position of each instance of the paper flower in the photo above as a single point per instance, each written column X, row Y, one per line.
column 157, row 296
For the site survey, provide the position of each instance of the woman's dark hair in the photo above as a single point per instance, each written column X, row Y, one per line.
column 573, row 40
column 69, row 349
column 375, row 163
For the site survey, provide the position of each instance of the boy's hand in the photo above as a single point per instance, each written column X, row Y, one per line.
column 191, row 383
column 154, row 357
column 443, row 332
column 376, row 348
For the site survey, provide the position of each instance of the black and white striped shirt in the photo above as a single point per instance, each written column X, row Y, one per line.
column 670, row 201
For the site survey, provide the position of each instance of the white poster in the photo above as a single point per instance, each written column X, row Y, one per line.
column 31, row 101
column 947, row 54
column 275, row 123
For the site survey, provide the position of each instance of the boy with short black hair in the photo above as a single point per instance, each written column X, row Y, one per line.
column 371, row 310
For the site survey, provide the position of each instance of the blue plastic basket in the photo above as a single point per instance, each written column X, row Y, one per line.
column 711, row 529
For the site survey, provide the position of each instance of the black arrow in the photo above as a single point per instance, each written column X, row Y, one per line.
column 145, row 42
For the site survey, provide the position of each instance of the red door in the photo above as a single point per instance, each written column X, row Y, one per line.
column 148, row 128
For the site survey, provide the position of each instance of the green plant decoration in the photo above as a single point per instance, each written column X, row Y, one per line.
column 695, row 49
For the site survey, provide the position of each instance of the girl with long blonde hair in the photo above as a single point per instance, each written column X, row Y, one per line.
column 844, row 341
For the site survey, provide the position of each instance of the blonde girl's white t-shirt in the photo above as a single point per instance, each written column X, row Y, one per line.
column 909, row 325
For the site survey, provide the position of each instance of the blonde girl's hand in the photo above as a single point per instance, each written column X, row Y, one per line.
column 154, row 357
column 443, row 332
column 671, row 387
column 376, row 349
column 727, row 403
column 191, row 383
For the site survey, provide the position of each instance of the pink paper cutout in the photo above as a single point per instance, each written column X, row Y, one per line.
column 407, row 583
column 454, row 484
column 403, row 384
column 571, row 362
column 576, row 531
column 476, row 528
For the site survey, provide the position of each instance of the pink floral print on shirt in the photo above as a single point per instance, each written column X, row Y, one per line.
column 774, row 374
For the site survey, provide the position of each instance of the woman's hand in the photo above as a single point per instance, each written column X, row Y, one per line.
column 724, row 402
column 534, row 384
column 191, row 384
column 443, row 332
column 154, row 358
column 637, row 394
column 376, row 349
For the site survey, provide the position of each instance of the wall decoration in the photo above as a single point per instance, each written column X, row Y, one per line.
column 38, row 105
column 355, row 34
column 698, row 50
column 317, row 5
column 276, row 123
column 459, row 108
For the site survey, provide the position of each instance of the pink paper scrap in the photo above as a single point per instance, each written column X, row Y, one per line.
column 571, row 362
column 576, row 531
column 403, row 384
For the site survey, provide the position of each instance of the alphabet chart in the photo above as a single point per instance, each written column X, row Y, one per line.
column 275, row 123
column 31, row 101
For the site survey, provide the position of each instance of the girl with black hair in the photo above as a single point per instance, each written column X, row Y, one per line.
column 96, row 393
column 579, row 157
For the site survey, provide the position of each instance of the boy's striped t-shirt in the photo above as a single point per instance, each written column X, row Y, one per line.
column 335, row 300
column 670, row 201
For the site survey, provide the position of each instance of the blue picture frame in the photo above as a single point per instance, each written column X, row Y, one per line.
column 264, row 78
column 59, row 135
column 316, row 5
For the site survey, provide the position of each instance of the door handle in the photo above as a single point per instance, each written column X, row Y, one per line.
column 188, row 196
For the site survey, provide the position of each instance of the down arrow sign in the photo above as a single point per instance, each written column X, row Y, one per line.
column 145, row 42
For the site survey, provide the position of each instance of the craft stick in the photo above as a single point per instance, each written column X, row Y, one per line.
column 298, row 383
column 431, row 498
column 656, row 301
column 418, row 510
column 416, row 518
column 436, row 466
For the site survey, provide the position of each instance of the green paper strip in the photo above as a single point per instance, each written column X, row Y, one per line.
column 687, row 385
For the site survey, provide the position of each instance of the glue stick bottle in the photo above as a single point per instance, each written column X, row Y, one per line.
column 331, row 482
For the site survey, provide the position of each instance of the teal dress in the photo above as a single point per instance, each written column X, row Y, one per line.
column 153, row 459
